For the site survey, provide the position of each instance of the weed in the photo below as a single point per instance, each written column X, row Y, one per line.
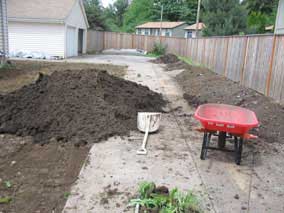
column 66, row 195
column 159, row 49
column 173, row 202
column 5, row 200
column 8, row 184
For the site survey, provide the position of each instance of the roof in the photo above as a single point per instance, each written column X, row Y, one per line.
column 165, row 24
column 193, row 27
column 55, row 10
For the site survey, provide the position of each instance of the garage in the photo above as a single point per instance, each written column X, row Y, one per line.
column 54, row 28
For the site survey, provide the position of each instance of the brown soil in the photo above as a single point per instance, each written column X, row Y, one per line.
column 166, row 59
column 40, row 176
column 78, row 106
column 202, row 86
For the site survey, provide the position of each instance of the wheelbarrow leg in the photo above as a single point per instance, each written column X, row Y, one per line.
column 205, row 144
column 238, row 150
column 222, row 140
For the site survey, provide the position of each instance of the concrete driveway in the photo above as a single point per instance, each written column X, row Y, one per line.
column 113, row 171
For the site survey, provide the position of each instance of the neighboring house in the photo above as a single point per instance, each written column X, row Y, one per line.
column 190, row 31
column 279, row 25
column 171, row 29
column 55, row 27
column 4, row 30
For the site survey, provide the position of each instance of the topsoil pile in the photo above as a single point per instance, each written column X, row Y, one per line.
column 78, row 106
column 166, row 59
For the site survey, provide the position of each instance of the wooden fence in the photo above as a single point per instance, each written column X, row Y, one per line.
column 255, row 61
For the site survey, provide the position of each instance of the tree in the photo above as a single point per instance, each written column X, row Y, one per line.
column 139, row 12
column 262, row 13
column 95, row 14
column 224, row 17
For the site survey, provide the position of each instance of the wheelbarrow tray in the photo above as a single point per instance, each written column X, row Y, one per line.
column 226, row 118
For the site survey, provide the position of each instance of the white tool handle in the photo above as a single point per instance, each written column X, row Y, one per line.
column 146, row 133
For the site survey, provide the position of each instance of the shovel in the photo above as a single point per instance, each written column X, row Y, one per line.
column 147, row 122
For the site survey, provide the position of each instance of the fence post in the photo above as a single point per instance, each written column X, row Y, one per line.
column 269, row 74
column 226, row 57
column 132, row 41
column 244, row 61
column 104, row 40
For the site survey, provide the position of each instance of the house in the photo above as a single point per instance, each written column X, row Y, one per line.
column 171, row 29
column 279, row 25
column 55, row 27
column 3, row 29
column 191, row 32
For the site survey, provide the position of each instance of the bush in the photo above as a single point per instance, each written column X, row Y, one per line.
column 159, row 49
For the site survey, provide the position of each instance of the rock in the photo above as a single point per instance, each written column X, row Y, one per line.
column 237, row 196
column 13, row 163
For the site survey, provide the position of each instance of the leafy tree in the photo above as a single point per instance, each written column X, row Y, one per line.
column 262, row 13
column 94, row 13
column 139, row 12
column 120, row 7
column 224, row 17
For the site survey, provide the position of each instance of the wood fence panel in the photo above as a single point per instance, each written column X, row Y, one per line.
column 95, row 41
column 219, row 55
column 258, row 62
column 235, row 58
column 277, row 77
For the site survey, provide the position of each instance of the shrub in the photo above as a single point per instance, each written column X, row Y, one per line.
column 159, row 49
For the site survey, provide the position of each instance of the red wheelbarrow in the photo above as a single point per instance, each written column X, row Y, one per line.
column 225, row 121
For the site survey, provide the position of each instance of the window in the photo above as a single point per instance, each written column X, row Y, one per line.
column 189, row 34
column 146, row 31
column 168, row 32
column 139, row 32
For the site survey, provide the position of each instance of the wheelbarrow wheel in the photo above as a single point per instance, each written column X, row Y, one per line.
column 222, row 140
column 205, row 144
column 238, row 150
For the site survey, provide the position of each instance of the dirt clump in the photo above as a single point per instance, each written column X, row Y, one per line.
column 78, row 106
column 203, row 86
column 166, row 59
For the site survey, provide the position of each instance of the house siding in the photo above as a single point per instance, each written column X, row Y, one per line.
column 3, row 27
column 47, row 38
column 175, row 32
column 76, row 20
column 179, row 31
column 279, row 29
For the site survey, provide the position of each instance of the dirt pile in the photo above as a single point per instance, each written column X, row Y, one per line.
column 203, row 86
column 166, row 59
column 77, row 106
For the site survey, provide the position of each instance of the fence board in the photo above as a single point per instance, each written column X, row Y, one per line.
column 277, row 78
column 246, row 59
column 257, row 62
column 235, row 58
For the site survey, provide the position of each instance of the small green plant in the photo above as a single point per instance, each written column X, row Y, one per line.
column 6, row 66
column 8, row 184
column 172, row 202
column 5, row 200
column 159, row 49
column 66, row 195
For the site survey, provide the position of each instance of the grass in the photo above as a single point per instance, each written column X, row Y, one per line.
column 173, row 202
column 153, row 55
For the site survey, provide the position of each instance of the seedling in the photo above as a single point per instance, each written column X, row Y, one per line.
column 66, row 195
column 8, row 184
column 5, row 200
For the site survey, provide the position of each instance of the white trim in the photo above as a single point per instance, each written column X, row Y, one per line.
column 36, row 20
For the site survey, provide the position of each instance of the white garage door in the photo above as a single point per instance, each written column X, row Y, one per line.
column 71, row 47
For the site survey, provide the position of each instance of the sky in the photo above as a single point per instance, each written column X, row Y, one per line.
column 107, row 2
